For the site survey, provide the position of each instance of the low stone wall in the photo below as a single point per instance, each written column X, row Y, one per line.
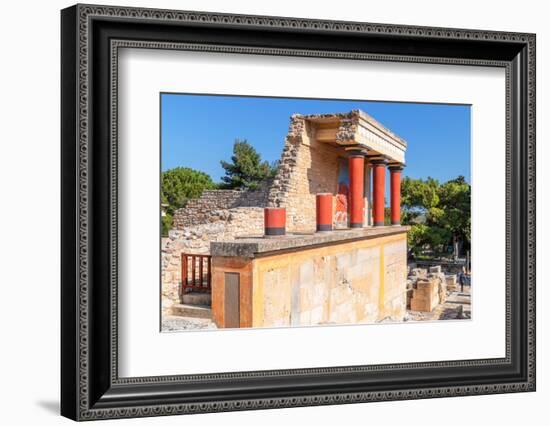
column 214, row 205
column 346, row 282
column 196, row 240
column 448, row 267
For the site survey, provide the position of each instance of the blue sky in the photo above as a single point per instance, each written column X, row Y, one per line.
column 198, row 131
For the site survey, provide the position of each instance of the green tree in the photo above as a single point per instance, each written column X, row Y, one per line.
column 179, row 185
column 455, row 202
column 246, row 169
column 439, row 215
column 166, row 222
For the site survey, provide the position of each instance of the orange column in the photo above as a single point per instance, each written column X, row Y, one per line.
column 324, row 212
column 274, row 221
column 395, row 181
column 356, row 189
column 378, row 189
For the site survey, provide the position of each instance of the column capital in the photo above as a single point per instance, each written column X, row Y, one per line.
column 379, row 162
column 396, row 167
column 356, row 151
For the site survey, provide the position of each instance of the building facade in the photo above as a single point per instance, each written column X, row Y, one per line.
column 351, row 268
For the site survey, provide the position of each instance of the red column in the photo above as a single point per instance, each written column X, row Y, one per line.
column 324, row 212
column 356, row 190
column 395, row 179
column 275, row 221
column 378, row 189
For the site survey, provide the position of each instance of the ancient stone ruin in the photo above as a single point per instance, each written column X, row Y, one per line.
column 434, row 295
column 429, row 289
column 351, row 268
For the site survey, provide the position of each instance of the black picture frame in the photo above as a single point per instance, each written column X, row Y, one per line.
column 90, row 386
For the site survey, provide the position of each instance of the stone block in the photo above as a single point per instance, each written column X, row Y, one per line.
column 418, row 273
column 451, row 282
column 435, row 269
column 426, row 296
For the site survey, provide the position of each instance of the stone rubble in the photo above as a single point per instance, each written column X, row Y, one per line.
column 175, row 323
column 428, row 288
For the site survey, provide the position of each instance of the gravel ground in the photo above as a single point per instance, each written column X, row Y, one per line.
column 457, row 306
column 173, row 323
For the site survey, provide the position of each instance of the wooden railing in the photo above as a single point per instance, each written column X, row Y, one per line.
column 196, row 272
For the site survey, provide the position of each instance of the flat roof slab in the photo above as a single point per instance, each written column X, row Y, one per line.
column 261, row 246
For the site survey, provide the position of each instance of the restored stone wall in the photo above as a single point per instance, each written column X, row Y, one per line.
column 308, row 167
column 214, row 204
column 347, row 283
column 215, row 216
column 350, row 283
column 196, row 240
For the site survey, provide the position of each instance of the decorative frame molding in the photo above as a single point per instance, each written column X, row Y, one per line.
column 91, row 37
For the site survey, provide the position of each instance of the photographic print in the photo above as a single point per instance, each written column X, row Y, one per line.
column 263, row 183
column 284, row 212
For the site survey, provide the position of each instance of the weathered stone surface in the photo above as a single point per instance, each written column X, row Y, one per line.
column 352, row 281
column 425, row 296
column 307, row 167
column 456, row 307
column 435, row 269
column 176, row 323
column 451, row 282
column 428, row 292
column 192, row 311
column 217, row 205
column 196, row 240
column 418, row 273
column 249, row 247
column 197, row 298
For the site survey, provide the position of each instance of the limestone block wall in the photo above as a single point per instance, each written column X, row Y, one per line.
column 308, row 167
column 214, row 204
column 215, row 216
column 348, row 283
column 196, row 240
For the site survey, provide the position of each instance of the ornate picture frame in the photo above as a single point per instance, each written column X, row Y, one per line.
column 90, row 38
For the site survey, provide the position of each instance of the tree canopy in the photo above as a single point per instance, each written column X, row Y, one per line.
column 246, row 169
column 439, row 214
column 179, row 185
